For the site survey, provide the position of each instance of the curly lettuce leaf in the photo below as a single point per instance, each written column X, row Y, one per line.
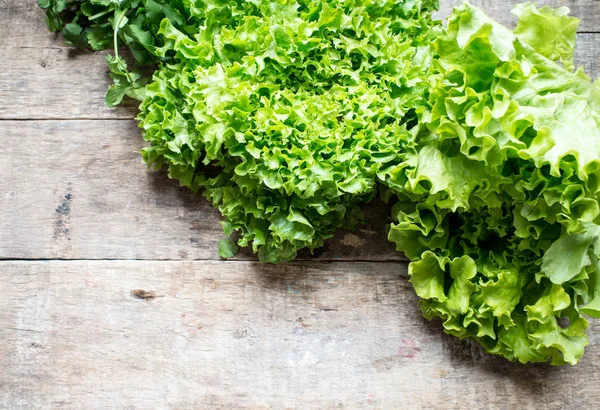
column 289, row 115
column 299, row 110
column 503, row 174
column 549, row 31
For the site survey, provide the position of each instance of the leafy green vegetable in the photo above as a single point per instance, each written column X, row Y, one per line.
column 551, row 32
column 227, row 248
column 295, row 113
column 93, row 23
column 499, row 202
column 284, row 114
column 289, row 114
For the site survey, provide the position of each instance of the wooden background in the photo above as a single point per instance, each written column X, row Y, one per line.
column 112, row 294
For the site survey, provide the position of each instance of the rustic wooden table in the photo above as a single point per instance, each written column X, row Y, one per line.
column 83, row 224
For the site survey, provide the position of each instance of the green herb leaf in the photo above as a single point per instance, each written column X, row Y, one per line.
column 227, row 248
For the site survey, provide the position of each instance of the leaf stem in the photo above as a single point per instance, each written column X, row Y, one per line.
column 116, row 31
column 120, row 15
column 98, row 15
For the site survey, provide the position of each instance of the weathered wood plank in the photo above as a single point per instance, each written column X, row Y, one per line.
column 587, row 53
column 245, row 335
column 57, row 83
column 43, row 79
column 40, row 77
column 22, row 25
column 79, row 190
column 588, row 11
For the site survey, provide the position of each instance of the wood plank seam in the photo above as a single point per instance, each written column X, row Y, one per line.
column 401, row 259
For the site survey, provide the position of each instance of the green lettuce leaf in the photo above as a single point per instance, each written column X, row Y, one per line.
column 299, row 116
column 503, row 172
column 551, row 32
column 289, row 115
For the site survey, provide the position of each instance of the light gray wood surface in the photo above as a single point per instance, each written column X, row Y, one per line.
column 245, row 335
column 76, row 204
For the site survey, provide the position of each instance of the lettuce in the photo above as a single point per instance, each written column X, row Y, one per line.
column 283, row 113
column 288, row 115
column 499, row 204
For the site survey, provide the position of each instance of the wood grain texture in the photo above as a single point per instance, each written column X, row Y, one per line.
column 57, row 83
column 44, row 79
column 245, row 335
column 79, row 190
column 587, row 53
column 205, row 334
